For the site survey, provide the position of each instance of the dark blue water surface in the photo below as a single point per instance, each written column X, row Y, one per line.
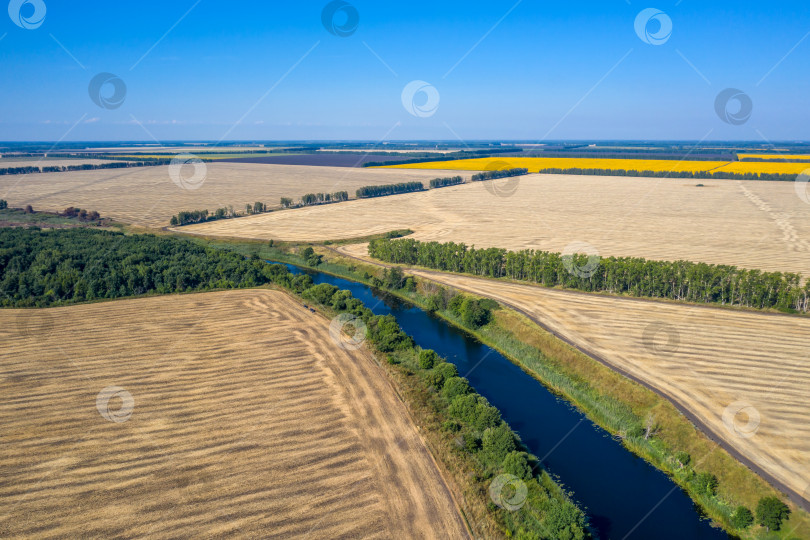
column 624, row 496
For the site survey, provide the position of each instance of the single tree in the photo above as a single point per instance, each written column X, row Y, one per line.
column 771, row 512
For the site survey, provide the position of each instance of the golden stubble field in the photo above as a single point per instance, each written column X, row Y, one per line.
column 763, row 225
column 245, row 420
column 147, row 196
column 745, row 376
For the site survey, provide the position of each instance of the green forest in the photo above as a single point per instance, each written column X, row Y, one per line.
column 41, row 268
column 678, row 280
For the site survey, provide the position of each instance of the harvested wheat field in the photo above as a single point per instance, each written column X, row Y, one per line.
column 245, row 420
column 714, row 363
column 147, row 196
column 763, row 225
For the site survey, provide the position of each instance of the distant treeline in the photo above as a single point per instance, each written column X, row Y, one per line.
column 389, row 189
column 679, row 280
column 466, row 154
column 383, row 153
column 446, row 182
column 779, row 160
column 82, row 167
column 719, row 175
column 492, row 175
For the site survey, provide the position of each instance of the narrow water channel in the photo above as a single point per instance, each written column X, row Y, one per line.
column 624, row 496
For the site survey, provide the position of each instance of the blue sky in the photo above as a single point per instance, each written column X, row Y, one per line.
column 270, row 70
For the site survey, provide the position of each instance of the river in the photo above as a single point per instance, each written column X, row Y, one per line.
column 624, row 496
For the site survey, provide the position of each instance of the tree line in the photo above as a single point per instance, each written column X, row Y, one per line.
column 82, row 167
column 505, row 173
column 366, row 192
column 200, row 216
column 719, row 175
column 780, row 160
column 311, row 199
column 464, row 154
column 445, row 182
column 678, row 280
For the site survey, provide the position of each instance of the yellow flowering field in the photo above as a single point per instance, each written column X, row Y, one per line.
column 777, row 167
column 656, row 165
column 536, row 164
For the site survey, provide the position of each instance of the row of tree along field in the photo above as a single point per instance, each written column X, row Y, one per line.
column 367, row 192
column 82, row 167
column 504, row 173
column 201, row 216
column 465, row 154
column 708, row 175
column 191, row 217
column 678, row 280
column 437, row 183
